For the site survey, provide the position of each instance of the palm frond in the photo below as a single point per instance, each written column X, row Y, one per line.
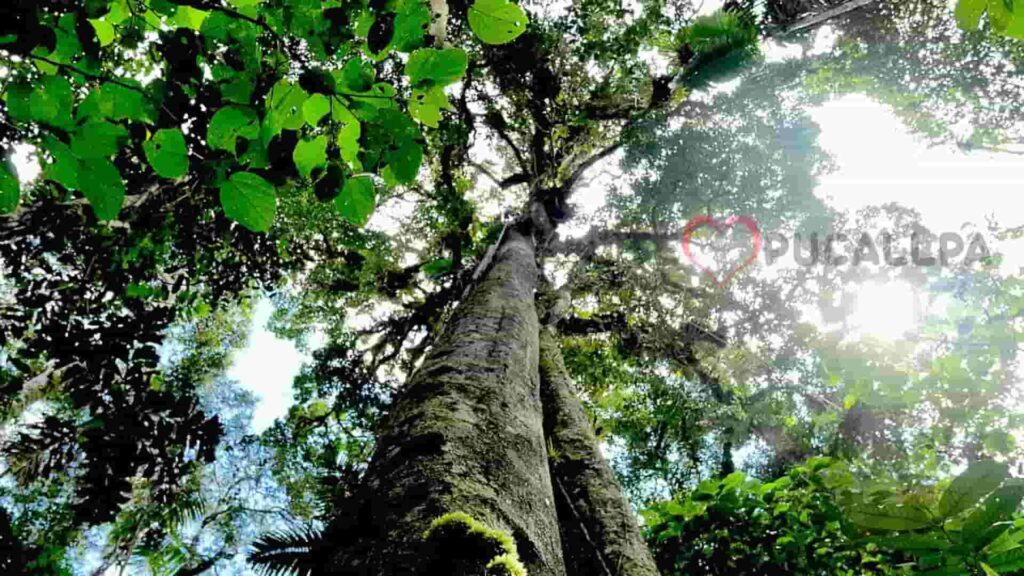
column 288, row 552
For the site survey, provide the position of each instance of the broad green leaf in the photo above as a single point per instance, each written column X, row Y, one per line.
column 437, row 267
column 316, row 108
column 426, row 105
column 913, row 542
column 63, row 168
column 116, row 102
column 101, row 183
column 1008, row 562
column 967, row 489
column 442, row 67
column 249, row 200
column 969, row 13
column 19, row 107
column 50, row 103
column 348, row 140
column 167, row 153
column 404, row 163
column 189, row 17
column 129, row 103
column 285, row 107
column 891, row 518
column 310, row 154
column 230, row 123
column 1007, row 17
column 988, row 570
column 1007, row 541
column 104, row 31
column 97, row 139
column 988, row 520
column 10, row 187
column 412, row 18
column 355, row 76
column 497, row 21
column 357, row 200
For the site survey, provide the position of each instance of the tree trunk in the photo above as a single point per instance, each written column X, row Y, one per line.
column 465, row 436
column 600, row 536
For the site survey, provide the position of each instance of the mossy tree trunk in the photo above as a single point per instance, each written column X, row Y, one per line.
column 600, row 536
column 465, row 443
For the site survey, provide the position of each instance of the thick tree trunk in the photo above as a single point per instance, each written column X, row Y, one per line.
column 465, row 436
column 600, row 536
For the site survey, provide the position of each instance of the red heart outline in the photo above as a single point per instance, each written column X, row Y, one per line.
column 698, row 222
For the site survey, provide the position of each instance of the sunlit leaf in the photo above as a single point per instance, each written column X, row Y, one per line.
column 497, row 21
column 167, row 153
column 249, row 200
column 357, row 200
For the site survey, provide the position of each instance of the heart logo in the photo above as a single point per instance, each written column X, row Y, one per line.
column 721, row 227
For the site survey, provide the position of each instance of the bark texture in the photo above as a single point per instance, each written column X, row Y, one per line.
column 600, row 536
column 465, row 436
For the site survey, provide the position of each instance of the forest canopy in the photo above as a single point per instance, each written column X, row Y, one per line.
column 470, row 219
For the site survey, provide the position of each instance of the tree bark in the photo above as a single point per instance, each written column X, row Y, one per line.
column 466, row 435
column 600, row 536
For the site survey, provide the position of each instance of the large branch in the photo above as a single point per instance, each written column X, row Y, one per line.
column 823, row 17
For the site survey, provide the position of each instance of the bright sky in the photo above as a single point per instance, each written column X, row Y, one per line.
column 266, row 367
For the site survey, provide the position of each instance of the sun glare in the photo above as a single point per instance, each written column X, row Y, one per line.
column 886, row 310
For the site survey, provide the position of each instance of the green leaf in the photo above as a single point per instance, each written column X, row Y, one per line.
column 316, row 108
column 357, row 200
column 1007, row 17
column 249, row 200
column 97, row 139
column 497, row 21
column 63, row 168
column 129, row 103
column 1007, row 541
column 285, row 107
column 988, row 570
column 891, row 518
column 412, row 18
column 10, row 187
column 969, row 12
column 442, row 67
column 913, row 542
column 310, row 154
column 967, row 489
column 189, row 17
column 1008, row 562
column 101, row 183
column 104, row 32
column 436, row 268
column 49, row 103
column 348, row 140
column 426, row 105
column 987, row 521
column 116, row 102
column 230, row 123
column 167, row 153
column 404, row 162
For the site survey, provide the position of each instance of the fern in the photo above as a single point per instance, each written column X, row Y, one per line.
column 715, row 45
column 288, row 552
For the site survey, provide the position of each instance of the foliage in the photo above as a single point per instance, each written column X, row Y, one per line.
column 824, row 518
column 1004, row 17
